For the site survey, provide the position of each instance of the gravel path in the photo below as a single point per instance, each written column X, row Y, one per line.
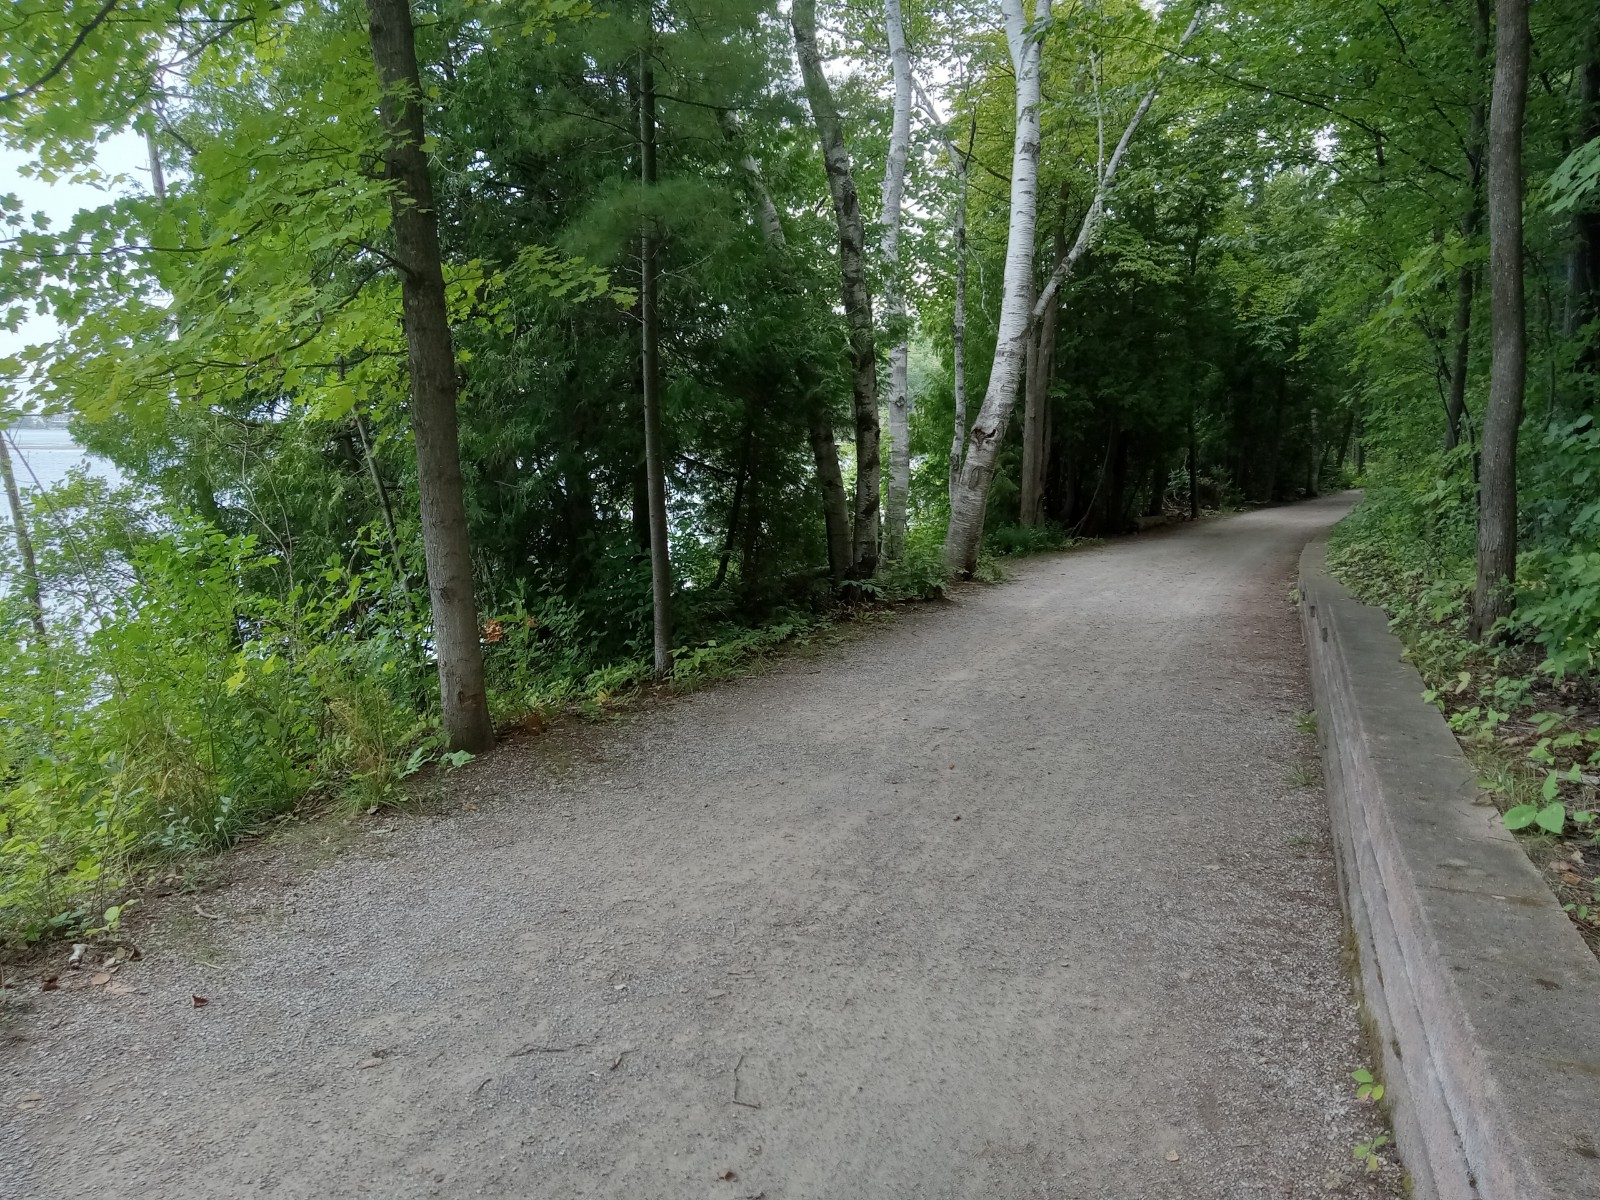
column 1014, row 897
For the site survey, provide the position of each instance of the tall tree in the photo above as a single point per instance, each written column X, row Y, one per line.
column 856, row 295
column 464, row 704
column 1019, row 314
column 1024, row 40
column 650, row 372
column 1495, row 591
column 894, row 185
column 1466, row 275
column 813, row 394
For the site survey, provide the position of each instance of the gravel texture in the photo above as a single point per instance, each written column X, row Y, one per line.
column 1017, row 896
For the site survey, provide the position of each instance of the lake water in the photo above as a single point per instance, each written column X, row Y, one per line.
column 46, row 455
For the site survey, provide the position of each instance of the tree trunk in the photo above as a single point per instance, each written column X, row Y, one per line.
column 853, row 286
column 1456, row 404
column 1466, row 280
column 971, row 497
column 19, row 528
column 894, row 184
column 977, row 473
column 819, row 418
column 385, row 507
column 464, row 705
column 1583, row 262
column 1036, row 396
column 958, row 328
column 1194, row 469
column 1156, row 502
column 1314, row 462
column 1495, row 594
column 737, row 505
column 650, row 371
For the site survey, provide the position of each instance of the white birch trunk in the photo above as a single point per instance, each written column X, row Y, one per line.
column 1017, row 318
column 894, row 183
column 977, row 472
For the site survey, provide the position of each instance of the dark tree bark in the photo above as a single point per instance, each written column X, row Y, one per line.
column 1040, row 371
column 1155, row 501
column 853, row 286
column 1494, row 594
column 1194, row 470
column 1344, row 441
column 1313, row 460
column 464, row 703
column 813, row 393
column 736, row 507
column 1583, row 262
column 385, row 507
column 1466, row 279
column 650, row 362
column 19, row 530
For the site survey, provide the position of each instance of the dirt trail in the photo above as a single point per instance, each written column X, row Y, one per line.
column 1015, row 897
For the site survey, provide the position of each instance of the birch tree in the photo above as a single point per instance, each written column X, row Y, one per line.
column 894, row 182
column 971, row 496
column 1019, row 310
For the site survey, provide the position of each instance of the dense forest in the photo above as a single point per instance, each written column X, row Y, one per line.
column 468, row 360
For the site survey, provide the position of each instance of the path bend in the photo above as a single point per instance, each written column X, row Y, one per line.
column 1015, row 897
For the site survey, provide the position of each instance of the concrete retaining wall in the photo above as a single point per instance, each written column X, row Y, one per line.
column 1484, row 998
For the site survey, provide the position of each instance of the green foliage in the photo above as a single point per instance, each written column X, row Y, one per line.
column 1369, row 1088
column 1014, row 540
column 175, row 706
column 1368, row 1153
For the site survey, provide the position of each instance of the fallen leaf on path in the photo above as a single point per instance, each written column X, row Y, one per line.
column 727, row 1177
column 1172, row 1156
column 31, row 1100
column 1569, row 877
column 369, row 1064
column 50, row 984
column 199, row 1001
column 101, row 979
column 207, row 915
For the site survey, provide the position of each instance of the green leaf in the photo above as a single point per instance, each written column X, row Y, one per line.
column 1552, row 817
column 1520, row 816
